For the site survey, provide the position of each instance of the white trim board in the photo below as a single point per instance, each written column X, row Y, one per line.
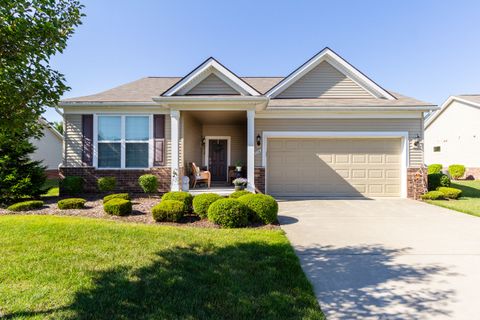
column 338, row 63
column 204, row 70
column 339, row 135
column 207, row 151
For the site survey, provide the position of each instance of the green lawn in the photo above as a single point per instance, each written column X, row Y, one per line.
column 79, row 268
column 52, row 186
column 468, row 203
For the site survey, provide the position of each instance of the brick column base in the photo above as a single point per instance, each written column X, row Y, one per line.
column 260, row 179
column 472, row 174
column 127, row 180
column 417, row 182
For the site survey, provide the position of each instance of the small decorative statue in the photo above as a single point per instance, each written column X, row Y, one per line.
column 240, row 183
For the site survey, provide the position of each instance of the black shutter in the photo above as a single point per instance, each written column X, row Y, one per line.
column 87, row 139
column 159, row 139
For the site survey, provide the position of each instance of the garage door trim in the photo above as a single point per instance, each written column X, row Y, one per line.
column 341, row 134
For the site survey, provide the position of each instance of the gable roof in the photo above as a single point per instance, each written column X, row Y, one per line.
column 204, row 70
column 469, row 99
column 50, row 127
column 338, row 63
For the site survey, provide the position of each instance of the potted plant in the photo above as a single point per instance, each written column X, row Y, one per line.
column 239, row 165
column 240, row 183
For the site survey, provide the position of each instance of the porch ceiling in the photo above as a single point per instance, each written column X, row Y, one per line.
column 219, row 117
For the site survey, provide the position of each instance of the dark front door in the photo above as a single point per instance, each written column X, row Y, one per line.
column 217, row 159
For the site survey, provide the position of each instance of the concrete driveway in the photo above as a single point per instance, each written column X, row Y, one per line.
column 387, row 259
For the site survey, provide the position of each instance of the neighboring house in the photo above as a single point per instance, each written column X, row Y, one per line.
column 452, row 134
column 49, row 148
column 324, row 130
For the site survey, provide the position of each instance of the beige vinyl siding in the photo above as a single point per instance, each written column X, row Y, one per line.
column 73, row 140
column 168, row 140
column 324, row 81
column 238, row 136
column 192, row 135
column 412, row 126
column 212, row 85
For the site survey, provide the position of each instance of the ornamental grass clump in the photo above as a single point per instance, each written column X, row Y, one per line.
column 261, row 208
column 228, row 213
column 202, row 202
column 26, row 205
column 118, row 207
column 168, row 210
column 71, row 203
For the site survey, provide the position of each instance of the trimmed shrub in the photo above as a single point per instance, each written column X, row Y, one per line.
column 261, row 207
column 450, row 193
column 202, row 202
column 182, row 196
column 106, row 184
column 72, row 203
column 148, row 183
column 238, row 194
column 71, row 185
column 168, row 210
column 434, row 168
column 118, row 207
column 228, row 213
column 26, row 205
column 433, row 195
column 436, row 180
column 124, row 196
column 456, row 171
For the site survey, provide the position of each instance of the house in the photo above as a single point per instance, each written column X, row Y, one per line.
column 452, row 134
column 326, row 129
column 49, row 149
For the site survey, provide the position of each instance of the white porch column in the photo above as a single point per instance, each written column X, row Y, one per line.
column 251, row 150
column 175, row 120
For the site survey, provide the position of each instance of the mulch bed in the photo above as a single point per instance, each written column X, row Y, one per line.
column 141, row 212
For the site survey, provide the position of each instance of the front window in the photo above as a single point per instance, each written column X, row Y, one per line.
column 123, row 141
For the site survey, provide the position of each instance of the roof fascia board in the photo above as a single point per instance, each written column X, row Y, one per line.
column 338, row 62
column 358, row 108
column 445, row 106
column 189, row 80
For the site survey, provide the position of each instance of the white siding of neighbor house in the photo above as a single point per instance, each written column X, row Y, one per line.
column 49, row 149
column 413, row 126
column 457, row 132
column 212, row 85
column 324, row 81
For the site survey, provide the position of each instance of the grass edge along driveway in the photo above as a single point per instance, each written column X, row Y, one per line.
column 468, row 203
column 80, row 268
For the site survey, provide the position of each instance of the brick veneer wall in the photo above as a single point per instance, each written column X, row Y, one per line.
column 127, row 180
column 472, row 173
column 260, row 179
column 52, row 174
column 417, row 182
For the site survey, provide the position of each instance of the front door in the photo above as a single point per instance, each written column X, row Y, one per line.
column 217, row 159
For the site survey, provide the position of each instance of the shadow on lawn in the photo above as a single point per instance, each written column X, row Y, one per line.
column 467, row 191
column 357, row 282
column 246, row 281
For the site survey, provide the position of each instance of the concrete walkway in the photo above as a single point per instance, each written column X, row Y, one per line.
column 387, row 259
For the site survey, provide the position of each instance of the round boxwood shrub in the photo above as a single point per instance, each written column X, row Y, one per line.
column 118, row 207
column 168, row 210
column 71, row 203
column 433, row 195
column 436, row 180
column 26, row 205
column 202, row 202
column 182, row 196
column 148, row 183
column 238, row 194
column 435, row 168
column 106, row 184
column 228, row 213
column 456, row 171
column 261, row 207
column 450, row 193
column 124, row 196
column 71, row 185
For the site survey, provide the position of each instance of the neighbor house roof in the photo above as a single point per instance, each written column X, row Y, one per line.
column 470, row 99
column 144, row 89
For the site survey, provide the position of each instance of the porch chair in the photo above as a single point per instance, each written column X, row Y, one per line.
column 200, row 176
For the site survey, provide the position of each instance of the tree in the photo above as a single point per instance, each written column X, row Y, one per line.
column 31, row 32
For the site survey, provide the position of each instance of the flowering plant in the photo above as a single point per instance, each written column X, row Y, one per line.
column 240, row 182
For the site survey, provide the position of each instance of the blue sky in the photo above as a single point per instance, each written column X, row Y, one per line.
column 424, row 49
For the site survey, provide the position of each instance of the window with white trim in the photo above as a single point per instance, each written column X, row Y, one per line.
column 436, row 149
column 123, row 141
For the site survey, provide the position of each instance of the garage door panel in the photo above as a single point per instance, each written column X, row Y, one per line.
column 333, row 167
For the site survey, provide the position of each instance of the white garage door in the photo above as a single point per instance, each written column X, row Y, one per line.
column 334, row 167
